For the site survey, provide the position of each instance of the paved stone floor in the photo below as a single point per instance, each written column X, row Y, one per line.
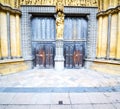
column 46, row 89
column 65, row 78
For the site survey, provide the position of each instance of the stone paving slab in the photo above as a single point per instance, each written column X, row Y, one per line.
column 82, row 106
column 60, row 107
column 66, row 78
column 57, row 97
column 25, row 106
column 23, row 98
column 6, row 98
column 97, row 98
column 103, row 106
column 43, row 89
column 54, row 98
column 114, row 97
column 51, row 100
column 117, row 105
column 43, row 98
column 79, row 98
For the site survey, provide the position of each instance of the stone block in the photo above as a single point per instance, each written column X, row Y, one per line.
column 12, row 66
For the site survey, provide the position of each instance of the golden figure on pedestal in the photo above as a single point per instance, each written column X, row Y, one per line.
column 60, row 25
column 59, row 19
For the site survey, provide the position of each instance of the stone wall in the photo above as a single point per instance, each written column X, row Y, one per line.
column 10, row 40
column 108, row 38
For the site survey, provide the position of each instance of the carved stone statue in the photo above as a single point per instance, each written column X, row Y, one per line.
column 59, row 19
column 59, row 25
column 59, row 6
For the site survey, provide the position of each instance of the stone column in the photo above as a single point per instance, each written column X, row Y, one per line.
column 108, row 36
column 12, row 3
column 99, row 36
column 100, row 5
column 104, row 37
column 2, row 1
column 18, row 38
column 0, row 34
column 3, row 32
column 8, row 34
column 113, row 36
column 59, row 58
column 110, row 3
column 13, row 36
column 118, row 38
column 105, row 4
column 0, row 51
column 115, row 3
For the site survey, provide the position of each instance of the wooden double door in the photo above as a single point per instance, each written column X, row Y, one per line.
column 44, row 41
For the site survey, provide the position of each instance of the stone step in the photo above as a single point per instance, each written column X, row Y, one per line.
column 106, row 68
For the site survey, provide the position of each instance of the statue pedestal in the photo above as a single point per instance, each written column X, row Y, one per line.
column 59, row 58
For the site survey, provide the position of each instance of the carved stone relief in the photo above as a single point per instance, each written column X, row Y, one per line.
column 66, row 2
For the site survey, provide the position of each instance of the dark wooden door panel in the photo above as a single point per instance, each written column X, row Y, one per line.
column 73, row 54
column 43, row 54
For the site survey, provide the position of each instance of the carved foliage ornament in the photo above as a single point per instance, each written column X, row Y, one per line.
column 65, row 2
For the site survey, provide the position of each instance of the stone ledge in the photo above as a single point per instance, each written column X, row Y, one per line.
column 9, row 9
column 104, row 61
column 12, row 66
column 106, row 67
column 109, row 11
column 11, row 60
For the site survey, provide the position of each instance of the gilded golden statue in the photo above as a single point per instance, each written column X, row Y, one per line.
column 59, row 25
column 59, row 19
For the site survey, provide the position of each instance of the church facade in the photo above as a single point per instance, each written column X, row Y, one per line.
column 59, row 34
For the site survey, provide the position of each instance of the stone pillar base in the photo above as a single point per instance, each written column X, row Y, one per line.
column 59, row 58
column 59, row 63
